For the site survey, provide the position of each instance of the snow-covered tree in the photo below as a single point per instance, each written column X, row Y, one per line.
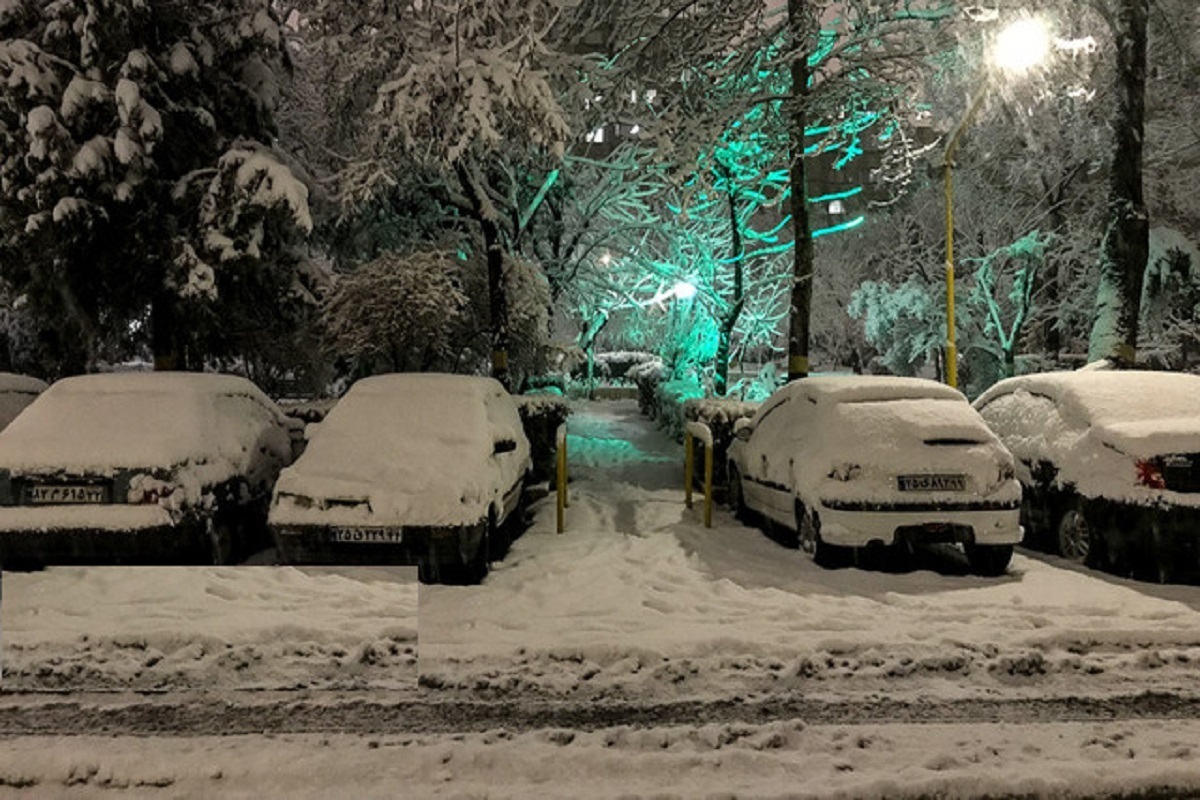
column 136, row 172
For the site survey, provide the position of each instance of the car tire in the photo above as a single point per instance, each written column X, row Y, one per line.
column 1076, row 537
column 735, row 496
column 990, row 560
column 808, row 535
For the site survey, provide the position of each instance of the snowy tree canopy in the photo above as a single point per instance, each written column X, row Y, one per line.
column 134, row 163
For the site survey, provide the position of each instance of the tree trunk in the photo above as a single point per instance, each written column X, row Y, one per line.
column 1126, row 245
column 497, row 300
column 494, row 252
column 730, row 319
column 164, row 332
column 802, row 270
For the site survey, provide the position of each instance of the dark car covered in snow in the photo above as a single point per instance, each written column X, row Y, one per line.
column 140, row 468
column 1110, row 465
column 419, row 469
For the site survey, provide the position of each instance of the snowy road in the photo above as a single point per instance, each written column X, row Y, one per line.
column 637, row 653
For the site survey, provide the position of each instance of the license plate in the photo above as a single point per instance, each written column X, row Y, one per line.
column 367, row 535
column 933, row 483
column 66, row 494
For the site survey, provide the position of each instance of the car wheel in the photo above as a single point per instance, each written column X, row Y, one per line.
column 808, row 533
column 737, row 500
column 1077, row 537
column 989, row 559
column 220, row 541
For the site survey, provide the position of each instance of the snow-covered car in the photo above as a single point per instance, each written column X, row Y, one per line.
column 16, row 392
column 1110, row 463
column 871, row 462
column 425, row 469
column 136, row 468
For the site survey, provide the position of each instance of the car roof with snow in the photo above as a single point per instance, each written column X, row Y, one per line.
column 20, row 384
column 1101, row 396
column 127, row 419
column 451, row 409
column 427, row 384
column 823, row 389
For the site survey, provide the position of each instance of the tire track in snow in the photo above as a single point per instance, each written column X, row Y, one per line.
column 194, row 715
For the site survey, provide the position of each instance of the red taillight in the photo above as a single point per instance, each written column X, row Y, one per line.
column 1149, row 474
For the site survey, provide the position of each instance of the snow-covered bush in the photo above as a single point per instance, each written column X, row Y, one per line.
column 670, row 397
column 541, row 414
column 399, row 313
column 646, row 376
column 719, row 414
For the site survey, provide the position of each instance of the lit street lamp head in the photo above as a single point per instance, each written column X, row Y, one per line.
column 1021, row 45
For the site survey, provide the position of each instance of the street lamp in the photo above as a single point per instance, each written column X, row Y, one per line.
column 1019, row 47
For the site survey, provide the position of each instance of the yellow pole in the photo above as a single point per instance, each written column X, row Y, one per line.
column 687, row 468
column 948, row 165
column 708, row 469
column 951, row 345
column 561, row 482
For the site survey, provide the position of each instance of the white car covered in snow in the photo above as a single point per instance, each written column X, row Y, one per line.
column 135, row 468
column 16, row 392
column 872, row 461
column 424, row 469
column 1110, row 462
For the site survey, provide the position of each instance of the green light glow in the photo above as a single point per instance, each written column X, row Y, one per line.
column 844, row 226
column 826, row 198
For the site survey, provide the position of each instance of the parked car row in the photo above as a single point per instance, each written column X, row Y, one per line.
column 1100, row 467
column 189, row 467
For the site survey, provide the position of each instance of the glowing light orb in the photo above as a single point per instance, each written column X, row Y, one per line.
column 1022, row 45
column 684, row 290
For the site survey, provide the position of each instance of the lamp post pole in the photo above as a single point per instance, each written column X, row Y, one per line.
column 948, row 167
column 1019, row 46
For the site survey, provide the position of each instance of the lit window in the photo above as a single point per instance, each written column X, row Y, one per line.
column 836, row 207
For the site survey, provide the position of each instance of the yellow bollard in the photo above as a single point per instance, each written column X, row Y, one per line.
column 560, row 476
column 687, row 468
column 708, row 470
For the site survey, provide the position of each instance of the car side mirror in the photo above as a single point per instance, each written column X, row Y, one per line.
column 504, row 446
column 742, row 429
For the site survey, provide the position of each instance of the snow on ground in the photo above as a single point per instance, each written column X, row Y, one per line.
column 638, row 597
column 635, row 606
column 153, row 628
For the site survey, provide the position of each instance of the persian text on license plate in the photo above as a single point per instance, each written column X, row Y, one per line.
column 933, row 483
column 368, row 535
column 66, row 493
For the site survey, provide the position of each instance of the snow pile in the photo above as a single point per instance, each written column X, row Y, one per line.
column 269, row 627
